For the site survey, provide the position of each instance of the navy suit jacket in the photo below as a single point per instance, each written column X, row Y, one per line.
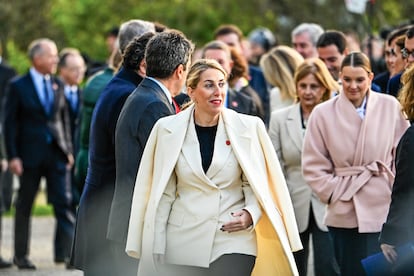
column 394, row 85
column 92, row 218
column 6, row 74
column 144, row 107
column 74, row 115
column 242, row 103
column 259, row 84
column 28, row 128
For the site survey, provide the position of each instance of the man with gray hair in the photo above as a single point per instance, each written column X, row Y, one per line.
column 39, row 144
column 92, row 251
column 168, row 57
column 304, row 38
column 131, row 29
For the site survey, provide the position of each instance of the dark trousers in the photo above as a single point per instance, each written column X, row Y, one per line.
column 351, row 247
column 59, row 195
column 323, row 254
column 226, row 265
column 6, row 190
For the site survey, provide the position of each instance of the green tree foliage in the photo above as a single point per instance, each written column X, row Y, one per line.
column 83, row 23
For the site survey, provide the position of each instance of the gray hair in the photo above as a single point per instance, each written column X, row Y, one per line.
column 165, row 52
column 36, row 47
column 131, row 29
column 314, row 31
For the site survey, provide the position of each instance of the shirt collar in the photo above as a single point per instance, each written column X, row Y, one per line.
column 361, row 109
column 163, row 88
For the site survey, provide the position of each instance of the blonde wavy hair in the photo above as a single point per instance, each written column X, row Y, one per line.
column 279, row 65
column 406, row 95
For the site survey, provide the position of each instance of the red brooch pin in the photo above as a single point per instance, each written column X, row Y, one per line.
column 228, row 142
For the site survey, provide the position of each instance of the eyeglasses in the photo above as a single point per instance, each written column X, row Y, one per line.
column 406, row 53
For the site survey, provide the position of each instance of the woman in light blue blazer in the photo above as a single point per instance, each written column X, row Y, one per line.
column 314, row 84
column 210, row 197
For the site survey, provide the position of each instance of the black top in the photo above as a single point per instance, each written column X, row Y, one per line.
column 206, row 137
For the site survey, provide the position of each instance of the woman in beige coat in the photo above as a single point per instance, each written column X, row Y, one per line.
column 314, row 84
column 210, row 197
column 348, row 155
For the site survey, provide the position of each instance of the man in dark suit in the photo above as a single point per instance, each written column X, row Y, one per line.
column 38, row 144
column 237, row 101
column 6, row 177
column 92, row 251
column 167, row 57
column 72, row 69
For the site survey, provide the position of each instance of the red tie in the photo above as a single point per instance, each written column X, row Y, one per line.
column 176, row 106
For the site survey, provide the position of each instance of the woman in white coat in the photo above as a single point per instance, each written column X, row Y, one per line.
column 314, row 84
column 210, row 197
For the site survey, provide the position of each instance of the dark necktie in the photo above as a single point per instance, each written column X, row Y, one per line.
column 73, row 96
column 46, row 95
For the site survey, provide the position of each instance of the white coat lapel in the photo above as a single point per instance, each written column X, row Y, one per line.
column 222, row 149
column 191, row 150
column 294, row 126
column 238, row 135
column 170, row 139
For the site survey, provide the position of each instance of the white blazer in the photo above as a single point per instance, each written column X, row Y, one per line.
column 276, row 231
column 286, row 133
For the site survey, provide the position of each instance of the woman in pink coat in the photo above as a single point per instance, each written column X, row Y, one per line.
column 348, row 156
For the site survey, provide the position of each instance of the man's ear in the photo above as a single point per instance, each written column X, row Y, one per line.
column 180, row 72
column 142, row 69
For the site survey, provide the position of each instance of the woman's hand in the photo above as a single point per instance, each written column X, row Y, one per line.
column 242, row 220
column 389, row 252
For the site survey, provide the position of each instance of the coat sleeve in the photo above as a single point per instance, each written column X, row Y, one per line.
column 278, row 188
column 162, row 215
column 317, row 168
column 398, row 227
column 274, row 134
column 140, row 197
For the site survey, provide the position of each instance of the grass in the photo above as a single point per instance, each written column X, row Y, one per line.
column 40, row 208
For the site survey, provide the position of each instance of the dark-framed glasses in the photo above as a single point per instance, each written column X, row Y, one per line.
column 405, row 53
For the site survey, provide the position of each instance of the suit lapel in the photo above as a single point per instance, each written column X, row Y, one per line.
column 294, row 126
column 30, row 83
column 238, row 134
column 191, row 150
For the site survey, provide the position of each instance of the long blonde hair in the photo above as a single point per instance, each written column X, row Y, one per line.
column 406, row 95
column 279, row 66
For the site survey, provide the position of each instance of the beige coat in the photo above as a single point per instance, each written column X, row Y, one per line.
column 286, row 133
column 349, row 161
column 276, row 231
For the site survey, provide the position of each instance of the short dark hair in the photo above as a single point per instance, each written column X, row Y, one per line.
column 410, row 32
column 135, row 51
column 332, row 37
column 396, row 33
column 165, row 52
column 228, row 29
column 112, row 32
